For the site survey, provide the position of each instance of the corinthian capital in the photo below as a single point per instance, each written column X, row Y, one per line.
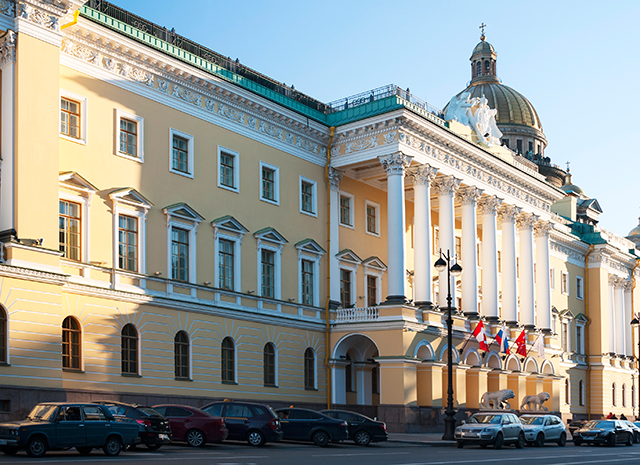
column 8, row 48
column 422, row 175
column 526, row 221
column 489, row 204
column 446, row 185
column 508, row 213
column 628, row 285
column 543, row 228
column 335, row 178
column 396, row 163
column 469, row 195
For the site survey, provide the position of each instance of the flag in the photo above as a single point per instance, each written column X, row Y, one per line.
column 481, row 337
column 539, row 345
column 521, row 342
column 503, row 339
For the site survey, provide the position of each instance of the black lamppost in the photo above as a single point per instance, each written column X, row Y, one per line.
column 635, row 323
column 445, row 262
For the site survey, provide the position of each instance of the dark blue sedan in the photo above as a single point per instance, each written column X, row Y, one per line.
column 300, row 424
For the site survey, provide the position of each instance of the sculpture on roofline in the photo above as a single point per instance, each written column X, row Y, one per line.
column 497, row 399
column 475, row 113
column 535, row 402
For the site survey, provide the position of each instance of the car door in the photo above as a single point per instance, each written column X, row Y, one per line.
column 237, row 417
column 285, row 423
column 507, row 427
column 300, row 424
column 178, row 418
column 354, row 422
column 96, row 425
column 70, row 429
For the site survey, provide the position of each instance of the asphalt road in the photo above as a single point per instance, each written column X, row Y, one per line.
column 377, row 454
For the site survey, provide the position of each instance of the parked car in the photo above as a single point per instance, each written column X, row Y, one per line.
column 192, row 425
column 62, row 425
column 576, row 425
column 247, row 421
column 610, row 432
column 635, row 428
column 539, row 429
column 362, row 429
column 300, row 424
column 154, row 430
column 494, row 428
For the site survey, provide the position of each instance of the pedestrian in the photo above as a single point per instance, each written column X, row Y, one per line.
column 610, row 416
column 614, row 417
column 622, row 417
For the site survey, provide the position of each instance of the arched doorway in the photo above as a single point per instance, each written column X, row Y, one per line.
column 355, row 374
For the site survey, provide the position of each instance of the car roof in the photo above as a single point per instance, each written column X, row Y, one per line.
column 242, row 402
column 114, row 402
column 188, row 407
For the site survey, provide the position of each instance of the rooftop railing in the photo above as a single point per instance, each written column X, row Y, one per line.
column 380, row 93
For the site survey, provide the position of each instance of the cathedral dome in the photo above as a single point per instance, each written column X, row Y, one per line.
column 635, row 232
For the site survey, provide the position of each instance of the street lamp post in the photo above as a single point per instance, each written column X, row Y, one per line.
column 445, row 262
column 635, row 323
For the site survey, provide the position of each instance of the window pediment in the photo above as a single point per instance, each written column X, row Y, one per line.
column 581, row 318
column 310, row 246
column 566, row 314
column 375, row 263
column 184, row 212
column 229, row 224
column 348, row 255
column 73, row 181
column 270, row 235
column 131, row 197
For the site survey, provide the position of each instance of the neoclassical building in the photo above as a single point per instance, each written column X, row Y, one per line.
column 176, row 226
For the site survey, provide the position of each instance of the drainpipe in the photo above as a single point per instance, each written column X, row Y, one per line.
column 326, row 305
column 586, row 329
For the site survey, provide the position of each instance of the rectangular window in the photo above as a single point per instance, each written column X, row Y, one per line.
column 268, row 273
column 179, row 254
column 129, row 137
column 579, row 288
column 578, row 339
column 345, row 288
column 372, row 291
column 530, row 146
column 127, row 243
column 307, row 282
column 180, row 154
column 519, row 146
column 505, row 142
column 372, row 219
column 70, row 118
column 459, row 248
column 226, row 170
column 345, row 210
column 564, row 283
column 268, row 184
column 565, row 337
column 306, row 197
column 552, row 276
column 69, row 224
column 226, row 271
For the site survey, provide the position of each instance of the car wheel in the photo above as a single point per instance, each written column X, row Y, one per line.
column 362, row 438
column 10, row 450
column 577, row 442
column 636, row 438
column 36, row 447
column 195, row 438
column 499, row 441
column 84, row 450
column 460, row 444
column 539, row 442
column 611, row 440
column 112, row 447
column 520, row 442
column 255, row 438
column 320, row 438
column 153, row 446
column 629, row 442
column 563, row 440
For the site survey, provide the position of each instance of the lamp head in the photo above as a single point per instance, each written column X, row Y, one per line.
column 440, row 264
column 456, row 270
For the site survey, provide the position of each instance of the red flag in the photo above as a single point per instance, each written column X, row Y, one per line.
column 521, row 342
column 481, row 336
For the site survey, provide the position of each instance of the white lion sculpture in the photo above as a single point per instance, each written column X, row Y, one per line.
column 497, row 399
column 535, row 402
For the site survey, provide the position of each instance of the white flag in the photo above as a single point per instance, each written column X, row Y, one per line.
column 539, row 346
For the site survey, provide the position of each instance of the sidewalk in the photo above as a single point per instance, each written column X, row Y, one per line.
column 427, row 439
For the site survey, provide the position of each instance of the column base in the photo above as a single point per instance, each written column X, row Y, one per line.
column 472, row 315
column 547, row 331
column 529, row 327
column 426, row 305
column 333, row 304
column 492, row 319
column 8, row 235
column 395, row 300
column 511, row 324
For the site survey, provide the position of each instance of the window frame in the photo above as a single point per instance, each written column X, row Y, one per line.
column 236, row 169
column 373, row 268
column 552, row 278
column 349, row 261
column 137, row 244
column 267, row 366
column 230, row 229
column 186, row 344
column 4, row 336
column 276, row 183
column 84, row 120
column 309, row 250
column 129, row 202
column 136, row 350
column 269, row 239
column 234, row 361
column 77, row 331
column 376, row 207
column 74, row 188
column 313, row 372
column 67, row 233
column 190, row 223
column 190, row 173
column 314, row 196
column 139, row 120
column 564, row 283
column 579, row 288
column 351, row 205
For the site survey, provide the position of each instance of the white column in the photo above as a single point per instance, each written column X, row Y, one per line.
column 612, row 315
column 618, row 299
column 422, row 267
column 395, row 166
column 543, row 281
column 335, row 177
column 628, row 316
column 526, row 222
column 508, row 214
column 469, row 260
column 445, row 187
column 488, row 207
column 7, row 133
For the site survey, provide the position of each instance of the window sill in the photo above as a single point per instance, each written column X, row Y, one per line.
column 130, row 157
column 229, row 382
column 373, row 234
column 314, row 215
column 229, row 188
column 131, row 375
column 183, row 379
column 270, row 386
column 271, row 202
column 5, row 364
column 348, row 226
column 72, row 370
column 310, row 389
column 76, row 140
column 181, row 173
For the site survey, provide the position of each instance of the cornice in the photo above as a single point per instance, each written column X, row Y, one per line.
column 612, row 259
column 16, row 272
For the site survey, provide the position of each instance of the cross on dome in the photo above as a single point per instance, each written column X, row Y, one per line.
column 482, row 26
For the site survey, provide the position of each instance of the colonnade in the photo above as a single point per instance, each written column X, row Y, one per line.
column 620, row 339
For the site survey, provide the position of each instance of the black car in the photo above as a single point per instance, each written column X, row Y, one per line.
column 362, row 430
column 308, row 425
column 154, row 429
column 247, row 421
column 62, row 425
column 576, row 425
column 610, row 432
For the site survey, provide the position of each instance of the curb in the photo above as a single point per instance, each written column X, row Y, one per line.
column 425, row 443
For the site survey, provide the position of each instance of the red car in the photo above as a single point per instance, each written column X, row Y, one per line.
column 192, row 425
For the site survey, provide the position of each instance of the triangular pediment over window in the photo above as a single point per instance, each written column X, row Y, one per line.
column 374, row 262
column 555, row 311
column 567, row 314
column 183, row 211
column 581, row 318
column 310, row 246
column 230, row 224
column 130, row 196
column 348, row 255
column 270, row 235
column 72, row 180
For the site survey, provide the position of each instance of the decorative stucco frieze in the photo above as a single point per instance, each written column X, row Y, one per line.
column 361, row 144
column 7, row 8
column 469, row 195
column 489, row 204
column 8, row 48
column 42, row 14
column 422, row 175
column 446, row 185
column 396, row 163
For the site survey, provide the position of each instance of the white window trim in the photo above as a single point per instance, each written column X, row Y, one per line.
column 369, row 203
column 563, row 275
column 579, row 295
column 237, row 259
column 192, row 229
column 436, row 234
column 190, row 153
column 84, row 120
column 351, row 198
column 566, row 323
column 139, row 211
column 553, row 279
column 276, row 183
column 378, row 275
column 139, row 140
column 236, row 169
column 235, row 358
column 277, row 265
column 85, row 222
column 354, row 280
column 315, row 260
column 7, row 339
column 581, row 339
column 314, row 196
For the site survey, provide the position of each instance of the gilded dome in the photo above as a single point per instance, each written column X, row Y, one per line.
column 483, row 46
column 635, row 232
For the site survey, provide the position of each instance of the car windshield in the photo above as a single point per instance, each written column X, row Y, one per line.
column 532, row 420
column 487, row 419
column 42, row 412
column 601, row 424
column 148, row 411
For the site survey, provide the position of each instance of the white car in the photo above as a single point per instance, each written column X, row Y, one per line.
column 539, row 429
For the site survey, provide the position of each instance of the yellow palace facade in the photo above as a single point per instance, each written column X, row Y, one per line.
column 178, row 227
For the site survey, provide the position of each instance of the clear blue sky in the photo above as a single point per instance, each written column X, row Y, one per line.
column 576, row 61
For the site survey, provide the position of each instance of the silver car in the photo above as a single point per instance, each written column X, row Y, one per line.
column 496, row 428
column 636, row 430
column 539, row 429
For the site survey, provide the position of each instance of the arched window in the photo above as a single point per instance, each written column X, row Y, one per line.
column 129, row 350
column 581, row 392
column 478, row 68
column 348, row 374
column 486, row 66
column 3, row 336
column 269, row 358
column 567, row 391
column 71, row 343
column 624, row 395
column 228, row 361
column 181, row 350
column 613, row 394
column 309, row 369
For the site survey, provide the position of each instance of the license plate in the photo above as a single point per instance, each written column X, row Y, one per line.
column 163, row 436
column 471, row 435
